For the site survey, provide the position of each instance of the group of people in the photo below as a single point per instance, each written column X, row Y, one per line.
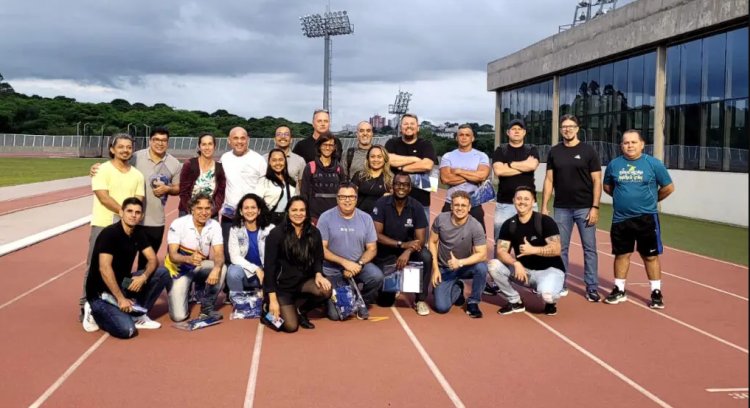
column 298, row 223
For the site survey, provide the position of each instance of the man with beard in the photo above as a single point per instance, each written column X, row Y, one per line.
column 357, row 156
column 295, row 163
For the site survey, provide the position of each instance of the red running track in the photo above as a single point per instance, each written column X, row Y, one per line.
column 693, row 353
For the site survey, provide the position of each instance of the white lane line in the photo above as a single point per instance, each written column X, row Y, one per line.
column 41, row 236
column 678, row 321
column 726, row 389
column 599, row 361
column 430, row 364
column 678, row 277
column 254, row 364
column 41, row 285
column 39, row 401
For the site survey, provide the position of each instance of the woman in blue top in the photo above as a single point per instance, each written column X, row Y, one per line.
column 247, row 241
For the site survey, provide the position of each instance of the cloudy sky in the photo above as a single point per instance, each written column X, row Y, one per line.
column 250, row 57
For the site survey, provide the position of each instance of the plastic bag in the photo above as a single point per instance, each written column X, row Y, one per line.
column 246, row 304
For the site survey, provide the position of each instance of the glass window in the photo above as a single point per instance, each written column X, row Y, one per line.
column 673, row 75
column 649, row 79
column 620, row 85
column 690, row 72
column 691, row 129
column 737, row 63
column 634, row 95
column 713, row 68
column 738, row 138
column 714, row 136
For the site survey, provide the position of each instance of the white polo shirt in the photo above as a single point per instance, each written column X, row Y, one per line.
column 183, row 233
column 242, row 173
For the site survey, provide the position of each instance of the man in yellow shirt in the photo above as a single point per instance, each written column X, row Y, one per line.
column 115, row 181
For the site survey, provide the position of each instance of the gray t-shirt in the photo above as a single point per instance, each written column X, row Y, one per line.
column 470, row 160
column 459, row 239
column 346, row 237
column 358, row 162
column 168, row 171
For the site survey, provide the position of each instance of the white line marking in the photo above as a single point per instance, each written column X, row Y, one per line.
column 41, row 236
column 430, row 364
column 45, row 203
column 599, row 361
column 254, row 364
column 41, row 285
column 726, row 389
column 39, row 401
column 678, row 321
column 678, row 277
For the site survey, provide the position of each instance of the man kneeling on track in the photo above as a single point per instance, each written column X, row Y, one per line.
column 116, row 299
column 535, row 239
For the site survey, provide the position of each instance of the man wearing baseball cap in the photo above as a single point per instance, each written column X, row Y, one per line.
column 514, row 164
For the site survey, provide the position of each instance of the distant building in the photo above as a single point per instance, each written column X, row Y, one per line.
column 349, row 128
column 377, row 122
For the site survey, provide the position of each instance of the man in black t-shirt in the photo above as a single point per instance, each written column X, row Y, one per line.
column 307, row 148
column 401, row 227
column 536, row 244
column 116, row 299
column 415, row 156
column 574, row 172
column 514, row 164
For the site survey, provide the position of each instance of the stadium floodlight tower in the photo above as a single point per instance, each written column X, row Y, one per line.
column 399, row 107
column 329, row 24
column 585, row 11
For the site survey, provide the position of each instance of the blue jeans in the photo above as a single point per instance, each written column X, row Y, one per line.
column 120, row 324
column 448, row 291
column 565, row 217
column 237, row 281
column 547, row 282
column 371, row 278
column 179, row 289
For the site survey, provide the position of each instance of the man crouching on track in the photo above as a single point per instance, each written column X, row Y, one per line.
column 116, row 299
column 535, row 239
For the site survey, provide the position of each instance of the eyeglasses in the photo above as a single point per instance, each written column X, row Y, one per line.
column 568, row 127
column 346, row 197
column 283, row 134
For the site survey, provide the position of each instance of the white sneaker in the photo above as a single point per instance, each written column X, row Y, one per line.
column 145, row 322
column 422, row 308
column 564, row 292
column 89, row 324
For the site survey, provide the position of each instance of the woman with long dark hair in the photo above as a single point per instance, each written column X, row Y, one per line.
column 277, row 186
column 375, row 180
column 321, row 177
column 247, row 242
column 202, row 174
column 294, row 268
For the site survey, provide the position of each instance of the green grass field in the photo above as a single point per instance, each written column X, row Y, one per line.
column 23, row 170
column 719, row 241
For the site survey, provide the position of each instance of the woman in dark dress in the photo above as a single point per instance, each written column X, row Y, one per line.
column 376, row 179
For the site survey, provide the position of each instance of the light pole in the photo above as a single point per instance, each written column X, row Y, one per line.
column 148, row 129
column 78, row 128
column 399, row 107
column 84, row 127
column 128, row 131
column 327, row 25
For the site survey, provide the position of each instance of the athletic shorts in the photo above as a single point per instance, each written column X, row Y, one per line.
column 643, row 230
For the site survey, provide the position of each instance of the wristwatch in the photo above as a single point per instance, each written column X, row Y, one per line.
column 398, row 244
column 361, row 263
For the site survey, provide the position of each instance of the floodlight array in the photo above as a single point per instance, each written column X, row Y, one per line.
column 330, row 23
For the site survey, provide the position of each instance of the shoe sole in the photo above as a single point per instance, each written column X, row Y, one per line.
column 592, row 300
column 511, row 311
column 551, row 314
column 616, row 301
column 655, row 306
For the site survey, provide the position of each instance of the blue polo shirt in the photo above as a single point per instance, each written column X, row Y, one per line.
column 397, row 226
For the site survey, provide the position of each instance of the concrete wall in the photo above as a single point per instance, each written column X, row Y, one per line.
column 710, row 196
column 636, row 25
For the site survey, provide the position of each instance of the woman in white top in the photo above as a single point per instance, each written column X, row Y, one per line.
column 247, row 242
column 276, row 187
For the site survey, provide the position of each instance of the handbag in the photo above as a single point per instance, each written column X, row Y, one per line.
column 483, row 194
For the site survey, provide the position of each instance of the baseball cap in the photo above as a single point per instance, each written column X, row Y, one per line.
column 518, row 122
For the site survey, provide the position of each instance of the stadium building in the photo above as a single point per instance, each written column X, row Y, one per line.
column 677, row 70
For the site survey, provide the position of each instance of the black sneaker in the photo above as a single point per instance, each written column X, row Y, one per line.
column 461, row 299
column 491, row 289
column 656, row 300
column 592, row 295
column 550, row 309
column 80, row 316
column 617, row 296
column 472, row 309
column 509, row 308
column 304, row 322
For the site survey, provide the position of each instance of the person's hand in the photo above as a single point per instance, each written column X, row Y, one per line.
column 260, row 274
column 273, row 308
column 196, row 258
column 125, row 304
column 322, row 282
column 94, row 169
column 213, row 277
column 592, row 217
column 436, row 277
column 160, row 188
column 453, row 262
column 402, row 260
column 137, row 283
column 544, row 210
column 413, row 245
column 348, row 274
column 526, row 249
column 519, row 272
column 351, row 266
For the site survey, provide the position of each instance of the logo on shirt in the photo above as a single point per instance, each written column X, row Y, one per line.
column 409, row 223
column 375, row 211
column 630, row 174
column 578, row 156
column 346, row 229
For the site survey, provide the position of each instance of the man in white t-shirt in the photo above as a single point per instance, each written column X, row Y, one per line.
column 192, row 240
